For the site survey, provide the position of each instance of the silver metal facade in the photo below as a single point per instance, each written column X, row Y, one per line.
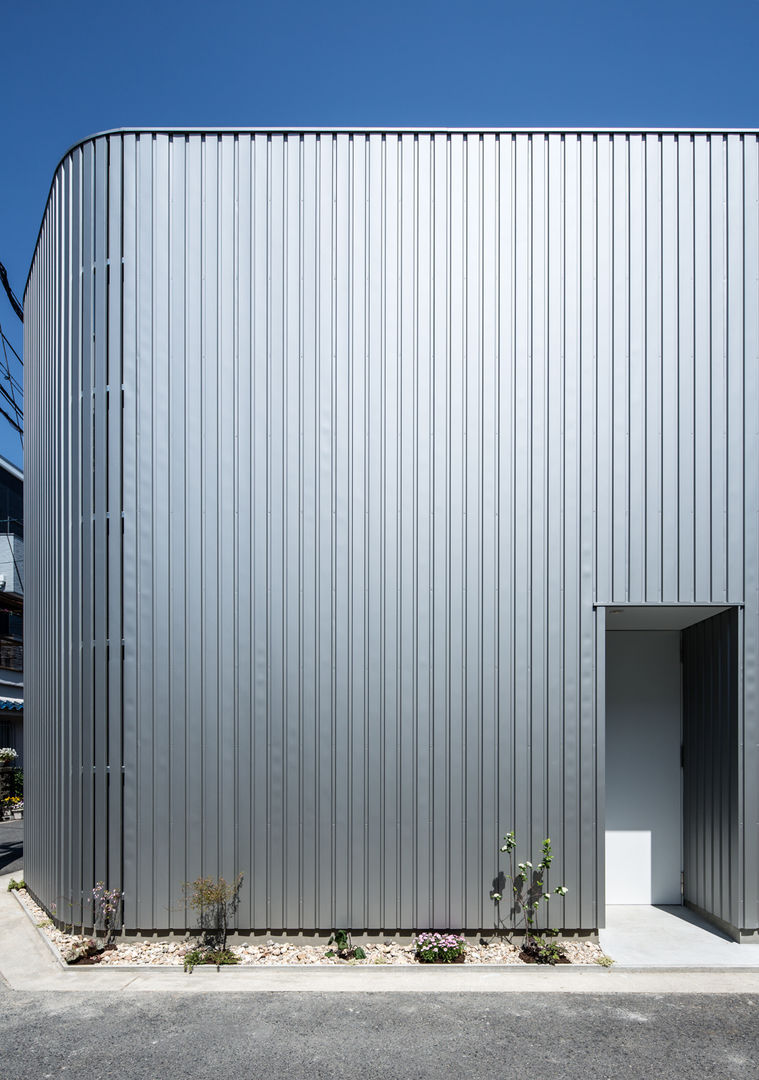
column 334, row 443
column 711, row 745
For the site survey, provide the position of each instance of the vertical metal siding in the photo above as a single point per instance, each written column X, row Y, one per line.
column 343, row 436
column 711, row 717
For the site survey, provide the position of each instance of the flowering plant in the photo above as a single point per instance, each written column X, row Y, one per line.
column 529, row 891
column 439, row 948
column 106, row 904
column 7, row 755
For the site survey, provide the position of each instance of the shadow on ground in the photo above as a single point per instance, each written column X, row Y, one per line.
column 11, row 846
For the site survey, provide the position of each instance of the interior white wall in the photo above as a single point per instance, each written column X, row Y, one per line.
column 643, row 774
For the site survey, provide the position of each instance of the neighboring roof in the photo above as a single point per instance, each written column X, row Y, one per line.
column 12, row 704
column 11, row 468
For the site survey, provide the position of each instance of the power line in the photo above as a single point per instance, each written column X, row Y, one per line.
column 15, row 302
column 10, row 346
column 13, row 423
column 15, row 384
column 18, row 423
column 12, row 402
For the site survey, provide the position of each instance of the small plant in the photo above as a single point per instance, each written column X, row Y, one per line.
column 216, row 903
column 193, row 958
column 528, row 892
column 7, row 755
column 106, row 904
column 344, row 947
column 205, row 955
column 542, row 950
column 604, row 961
column 439, row 948
column 14, row 885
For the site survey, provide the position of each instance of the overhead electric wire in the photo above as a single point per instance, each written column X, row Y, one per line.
column 7, row 374
column 18, row 423
column 10, row 346
column 12, row 402
column 13, row 423
column 15, row 302
column 15, row 384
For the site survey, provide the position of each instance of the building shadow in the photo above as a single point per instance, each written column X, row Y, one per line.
column 11, row 846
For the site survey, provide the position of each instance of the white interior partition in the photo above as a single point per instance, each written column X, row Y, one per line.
column 643, row 773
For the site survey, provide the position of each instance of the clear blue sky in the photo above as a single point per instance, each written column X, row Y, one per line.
column 70, row 69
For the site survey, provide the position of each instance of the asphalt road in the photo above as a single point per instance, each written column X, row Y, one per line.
column 11, row 849
column 152, row 1036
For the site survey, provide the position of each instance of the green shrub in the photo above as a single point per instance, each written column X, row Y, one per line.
column 216, row 902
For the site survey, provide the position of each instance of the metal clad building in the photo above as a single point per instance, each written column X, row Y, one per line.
column 342, row 447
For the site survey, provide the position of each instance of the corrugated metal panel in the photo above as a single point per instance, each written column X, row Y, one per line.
column 711, row 742
column 343, row 435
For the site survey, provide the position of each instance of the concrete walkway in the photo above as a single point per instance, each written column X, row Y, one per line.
column 27, row 963
column 670, row 937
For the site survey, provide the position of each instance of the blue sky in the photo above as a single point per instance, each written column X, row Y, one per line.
column 69, row 70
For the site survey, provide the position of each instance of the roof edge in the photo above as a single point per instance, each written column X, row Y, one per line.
column 14, row 470
column 278, row 129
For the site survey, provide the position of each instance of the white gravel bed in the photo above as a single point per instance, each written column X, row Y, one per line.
column 270, row 953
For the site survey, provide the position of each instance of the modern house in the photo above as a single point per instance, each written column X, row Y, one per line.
column 12, row 607
column 386, row 491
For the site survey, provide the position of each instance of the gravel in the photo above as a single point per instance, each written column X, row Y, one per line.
column 273, row 953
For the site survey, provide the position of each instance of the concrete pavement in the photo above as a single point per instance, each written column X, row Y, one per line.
column 27, row 964
column 465, row 1023
column 670, row 937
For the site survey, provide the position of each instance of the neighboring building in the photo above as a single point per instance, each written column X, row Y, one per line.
column 386, row 491
column 12, row 607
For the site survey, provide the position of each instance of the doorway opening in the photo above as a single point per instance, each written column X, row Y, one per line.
column 644, row 818
column 670, row 712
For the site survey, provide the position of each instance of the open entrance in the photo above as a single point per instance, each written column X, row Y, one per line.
column 644, row 822
column 671, row 716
